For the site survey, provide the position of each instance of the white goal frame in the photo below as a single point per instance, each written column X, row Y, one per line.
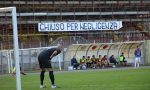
column 12, row 10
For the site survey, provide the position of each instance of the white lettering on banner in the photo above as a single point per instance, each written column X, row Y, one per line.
column 51, row 26
column 79, row 26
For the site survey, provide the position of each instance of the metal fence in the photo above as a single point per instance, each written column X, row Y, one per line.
column 28, row 60
column 4, row 61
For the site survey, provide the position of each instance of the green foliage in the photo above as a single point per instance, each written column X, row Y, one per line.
column 124, row 79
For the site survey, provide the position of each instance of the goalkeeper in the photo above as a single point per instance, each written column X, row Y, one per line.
column 44, row 59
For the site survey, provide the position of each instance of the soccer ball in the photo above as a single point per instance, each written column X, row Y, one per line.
column 83, row 67
column 113, row 66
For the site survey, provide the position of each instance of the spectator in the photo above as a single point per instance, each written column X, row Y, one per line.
column 122, row 59
column 83, row 63
column 113, row 60
column 104, row 61
column 88, row 62
column 99, row 61
column 94, row 61
column 74, row 62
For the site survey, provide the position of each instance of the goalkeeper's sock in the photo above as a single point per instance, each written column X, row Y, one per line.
column 51, row 76
column 42, row 77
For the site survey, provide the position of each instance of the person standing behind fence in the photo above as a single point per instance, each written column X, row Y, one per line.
column 44, row 59
column 137, row 54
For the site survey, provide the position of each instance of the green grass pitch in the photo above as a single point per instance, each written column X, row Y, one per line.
column 124, row 79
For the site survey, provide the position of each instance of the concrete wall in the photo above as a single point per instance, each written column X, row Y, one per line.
column 147, row 51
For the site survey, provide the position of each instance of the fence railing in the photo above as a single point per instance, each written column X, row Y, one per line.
column 28, row 59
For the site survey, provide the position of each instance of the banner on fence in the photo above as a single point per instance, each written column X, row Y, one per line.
column 79, row 26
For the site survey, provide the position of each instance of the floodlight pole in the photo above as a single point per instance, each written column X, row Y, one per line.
column 16, row 48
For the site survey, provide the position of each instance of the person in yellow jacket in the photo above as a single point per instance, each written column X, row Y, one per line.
column 88, row 62
column 94, row 61
column 83, row 63
column 122, row 59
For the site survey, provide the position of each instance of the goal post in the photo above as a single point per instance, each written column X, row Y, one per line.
column 12, row 11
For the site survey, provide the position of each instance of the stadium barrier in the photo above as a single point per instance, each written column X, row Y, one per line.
column 28, row 59
column 29, row 62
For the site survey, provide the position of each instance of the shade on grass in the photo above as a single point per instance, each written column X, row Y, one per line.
column 125, row 79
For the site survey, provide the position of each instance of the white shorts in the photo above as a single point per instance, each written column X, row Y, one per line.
column 137, row 59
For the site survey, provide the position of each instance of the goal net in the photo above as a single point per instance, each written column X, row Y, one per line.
column 8, row 32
